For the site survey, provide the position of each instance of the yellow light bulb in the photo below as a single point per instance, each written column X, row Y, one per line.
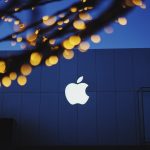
column 85, row 16
column 96, row 38
column 52, row 41
column 13, row 76
column 35, row 58
column 6, row 81
column 84, row 46
column 19, row 39
column 73, row 9
column 137, row 2
column 79, row 25
column 47, row 63
column 31, row 37
column 26, row 69
column 2, row 67
column 22, row 80
column 49, row 21
column 122, row 21
column 68, row 54
column 68, row 45
column 75, row 40
column 53, row 60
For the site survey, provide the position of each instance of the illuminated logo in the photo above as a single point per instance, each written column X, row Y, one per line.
column 76, row 92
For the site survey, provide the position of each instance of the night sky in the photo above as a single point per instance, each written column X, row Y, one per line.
column 135, row 34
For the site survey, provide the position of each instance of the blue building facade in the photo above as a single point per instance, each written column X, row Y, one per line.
column 112, row 116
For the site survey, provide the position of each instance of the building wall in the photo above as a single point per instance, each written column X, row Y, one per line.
column 110, row 117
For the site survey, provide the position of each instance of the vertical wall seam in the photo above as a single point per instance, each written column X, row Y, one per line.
column 58, row 115
column 77, row 111
column 97, row 123
column 20, row 116
column 115, row 97
column 134, row 94
column 39, row 126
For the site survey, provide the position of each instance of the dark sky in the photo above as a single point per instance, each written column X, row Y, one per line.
column 135, row 34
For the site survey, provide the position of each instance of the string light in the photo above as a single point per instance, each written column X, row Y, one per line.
column 68, row 45
column 79, row 25
column 122, row 21
column 53, row 60
column 69, row 42
column 26, row 69
column 96, row 38
column 35, row 59
column 74, row 40
column 2, row 67
column 49, row 20
column 22, row 80
column 6, row 81
column 85, row 16
column 68, row 54
column 84, row 46
column 13, row 76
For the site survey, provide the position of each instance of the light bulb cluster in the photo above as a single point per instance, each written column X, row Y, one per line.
column 68, row 44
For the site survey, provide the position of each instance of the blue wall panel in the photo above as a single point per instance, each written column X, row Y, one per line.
column 126, row 123
column 14, row 88
column 106, row 113
column 34, row 80
column 105, row 70
column 141, row 68
column 1, row 104
column 11, row 105
column 11, row 109
column 146, row 106
column 67, row 113
column 87, row 122
column 49, row 123
column 110, row 117
column 123, row 70
column 30, row 119
column 49, row 79
column 67, row 122
column 87, row 118
column 67, row 72
column 86, row 63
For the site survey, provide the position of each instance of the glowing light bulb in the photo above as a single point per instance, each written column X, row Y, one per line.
column 47, row 63
column 137, row 2
column 2, row 67
column 13, row 76
column 75, row 40
column 21, row 80
column 35, row 58
column 68, row 45
column 122, row 21
column 49, row 21
column 84, row 46
column 26, row 69
column 53, row 60
column 68, row 54
column 31, row 37
column 85, row 16
column 79, row 25
column 52, row 41
column 6, row 81
column 73, row 9
column 96, row 38
column 19, row 39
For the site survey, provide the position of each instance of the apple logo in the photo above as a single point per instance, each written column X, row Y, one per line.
column 76, row 93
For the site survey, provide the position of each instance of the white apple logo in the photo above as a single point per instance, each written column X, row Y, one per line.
column 76, row 93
